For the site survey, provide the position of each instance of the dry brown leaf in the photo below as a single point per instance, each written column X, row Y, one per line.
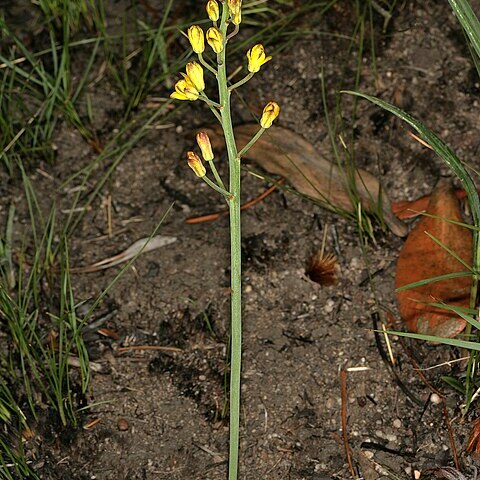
column 421, row 258
column 283, row 152
column 143, row 245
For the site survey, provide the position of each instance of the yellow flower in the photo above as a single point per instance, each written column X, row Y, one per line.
column 270, row 113
column 213, row 10
column 196, row 164
column 197, row 39
column 256, row 58
column 235, row 7
column 185, row 90
column 214, row 39
column 203, row 141
column 195, row 75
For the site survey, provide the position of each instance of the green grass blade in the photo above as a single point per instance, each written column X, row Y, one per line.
column 454, row 342
column 449, row 251
column 427, row 281
column 440, row 148
column 469, row 21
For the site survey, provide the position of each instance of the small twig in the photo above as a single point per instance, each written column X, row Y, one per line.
column 386, row 361
column 210, row 217
column 343, row 385
column 148, row 347
column 424, row 379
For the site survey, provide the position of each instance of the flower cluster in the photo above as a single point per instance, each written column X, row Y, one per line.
column 192, row 85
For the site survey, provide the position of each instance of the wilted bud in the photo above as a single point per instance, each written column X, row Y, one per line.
column 205, row 146
column 197, row 39
column 196, row 164
column 235, row 7
column 195, row 75
column 256, row 58
column 185, row 90
column 270, row 113
column 213, row 10
column 215, row 39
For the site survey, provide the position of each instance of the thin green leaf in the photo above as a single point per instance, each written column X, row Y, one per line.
column 455, row 342
column 433, row 280
column 440, row 148
column 469, row 21
column 450, row 251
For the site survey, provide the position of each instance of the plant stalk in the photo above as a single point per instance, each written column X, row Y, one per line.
column 235, row 249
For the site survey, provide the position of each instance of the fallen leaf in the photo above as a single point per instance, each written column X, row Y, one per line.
column 404, row 209
column 143, row 245
column 473, row 445
column 283, row 152
column 421, row 258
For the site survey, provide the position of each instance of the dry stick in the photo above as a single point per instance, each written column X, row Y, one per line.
column 343, row 384
column 148, row 347
column 442, row 397
column 386, row 361
column 215, row 216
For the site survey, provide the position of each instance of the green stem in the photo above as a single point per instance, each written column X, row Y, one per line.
column 218, row 189
column 235, row 31
column 250, row 144
column 235, row 248
column 206, row 65
column 216, row 174
column 202, row 96
column 241, row 82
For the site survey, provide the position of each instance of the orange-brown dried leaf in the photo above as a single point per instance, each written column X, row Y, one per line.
column 473, row 445
column 283, row 152
column 421, row 258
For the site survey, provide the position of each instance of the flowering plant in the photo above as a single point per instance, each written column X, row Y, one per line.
column 191, row 88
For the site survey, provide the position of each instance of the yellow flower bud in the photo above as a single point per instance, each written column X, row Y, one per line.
column 270, row 113
column 215, row 39
column 235, row 7
column 197, row 39
column 213, row 10
column 205, row 146
column 196, row 164
column 195, row 75
column 256, row 58
column 185, row 90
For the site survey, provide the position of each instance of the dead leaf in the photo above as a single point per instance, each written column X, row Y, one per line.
column 473, row 445
column 143, row 245
column 283, row 152
column 421, row 258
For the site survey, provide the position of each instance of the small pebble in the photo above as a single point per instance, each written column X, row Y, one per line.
column 329, row 306
column 434, row 398
column 416, row 474
column 122, row 424
column 397, row 423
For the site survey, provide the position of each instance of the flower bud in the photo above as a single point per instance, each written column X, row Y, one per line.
column 197, row 39
column 185, row 90
column 214, row 39
column 256, row 58
column 213, row 10
column 270, row 113
column 205, row 146
column 195, row 75
column 235, row 7
column 196, row 164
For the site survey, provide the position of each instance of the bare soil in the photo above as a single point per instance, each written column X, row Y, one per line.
column 164, row 411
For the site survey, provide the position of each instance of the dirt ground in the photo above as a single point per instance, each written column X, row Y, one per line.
column 298, row 335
